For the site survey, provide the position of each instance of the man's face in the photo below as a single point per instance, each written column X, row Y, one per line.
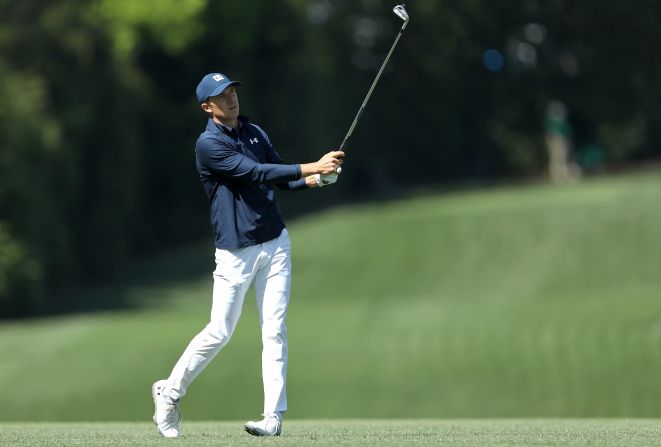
column 224, row 107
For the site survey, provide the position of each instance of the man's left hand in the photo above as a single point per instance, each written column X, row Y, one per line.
column 325, row 179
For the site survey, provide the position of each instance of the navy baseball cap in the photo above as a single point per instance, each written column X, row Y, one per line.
column 213, row 84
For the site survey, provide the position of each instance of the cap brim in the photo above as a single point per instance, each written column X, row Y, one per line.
column 221, row 88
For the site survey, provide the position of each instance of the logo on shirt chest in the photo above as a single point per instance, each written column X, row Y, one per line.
column 254, row 150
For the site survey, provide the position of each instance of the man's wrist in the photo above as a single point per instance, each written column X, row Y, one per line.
column 311, row 181
column 308, row 169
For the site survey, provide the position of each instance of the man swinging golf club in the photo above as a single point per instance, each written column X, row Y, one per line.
column 239, row 169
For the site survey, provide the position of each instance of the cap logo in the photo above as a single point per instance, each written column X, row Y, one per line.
column 217, row 78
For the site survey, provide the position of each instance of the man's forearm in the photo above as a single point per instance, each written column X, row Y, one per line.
column 308, row 169
column 326, row 164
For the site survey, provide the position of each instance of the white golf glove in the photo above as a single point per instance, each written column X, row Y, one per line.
column 325, row 179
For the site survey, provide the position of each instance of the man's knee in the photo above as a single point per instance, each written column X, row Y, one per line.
column 274, row 332
column 217, row 334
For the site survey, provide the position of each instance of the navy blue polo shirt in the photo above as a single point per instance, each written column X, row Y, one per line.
column 239, row 170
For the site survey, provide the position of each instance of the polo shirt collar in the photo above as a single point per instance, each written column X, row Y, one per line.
column 211, row 125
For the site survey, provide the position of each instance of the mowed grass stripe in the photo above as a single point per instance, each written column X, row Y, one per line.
column 512, row 302
column 503, row 432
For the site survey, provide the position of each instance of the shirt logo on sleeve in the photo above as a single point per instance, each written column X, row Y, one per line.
column 254, row 140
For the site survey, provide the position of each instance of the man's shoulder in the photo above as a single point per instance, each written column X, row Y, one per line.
column 211, row 135
column 257, row 128
column 210, row 138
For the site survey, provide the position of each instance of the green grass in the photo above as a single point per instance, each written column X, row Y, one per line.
column 484, row 433
column 530, row 301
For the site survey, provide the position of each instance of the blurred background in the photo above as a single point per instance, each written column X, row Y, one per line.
column 494, row 236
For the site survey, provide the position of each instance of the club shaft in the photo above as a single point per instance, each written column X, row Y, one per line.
column 369, row 93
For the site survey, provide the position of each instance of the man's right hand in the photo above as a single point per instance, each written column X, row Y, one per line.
column 327, row 164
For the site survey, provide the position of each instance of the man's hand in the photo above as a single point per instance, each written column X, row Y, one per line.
column 319, row 180
column 325, row 179
column 328, row 164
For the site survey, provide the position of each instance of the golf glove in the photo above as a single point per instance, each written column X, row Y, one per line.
column 325, row 179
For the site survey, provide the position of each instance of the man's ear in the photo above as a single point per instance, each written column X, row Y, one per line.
column 206, row 107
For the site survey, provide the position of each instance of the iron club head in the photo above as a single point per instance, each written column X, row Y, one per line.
column 400, row 12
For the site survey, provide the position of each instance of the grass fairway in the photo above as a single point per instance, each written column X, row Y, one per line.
column 483, row 433
column 514, row 302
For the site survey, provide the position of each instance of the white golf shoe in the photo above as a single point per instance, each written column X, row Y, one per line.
column 166, row 412
column 271, row 425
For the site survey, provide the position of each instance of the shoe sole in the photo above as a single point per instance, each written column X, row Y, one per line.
column 254, row 432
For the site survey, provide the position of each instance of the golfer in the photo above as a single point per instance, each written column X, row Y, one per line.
column 239, row 169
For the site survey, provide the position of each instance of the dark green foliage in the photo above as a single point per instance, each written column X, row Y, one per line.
column 98, row 119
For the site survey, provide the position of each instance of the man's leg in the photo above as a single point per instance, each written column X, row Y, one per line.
column 272, row 286
column 235, row 269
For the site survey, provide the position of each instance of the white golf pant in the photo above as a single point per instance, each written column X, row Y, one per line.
column 268, row 265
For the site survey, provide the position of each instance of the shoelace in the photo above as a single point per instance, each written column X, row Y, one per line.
column 273, row 418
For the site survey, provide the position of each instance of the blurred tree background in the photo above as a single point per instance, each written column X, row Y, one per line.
column 98, row 119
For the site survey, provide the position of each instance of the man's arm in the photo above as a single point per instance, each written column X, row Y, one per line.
column 327, row 164
column 310, row 181
column 222, row 159
column 272, row 156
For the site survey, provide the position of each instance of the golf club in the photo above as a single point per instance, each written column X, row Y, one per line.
column 400, row 12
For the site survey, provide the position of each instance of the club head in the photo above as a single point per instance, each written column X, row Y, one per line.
column 400, row 12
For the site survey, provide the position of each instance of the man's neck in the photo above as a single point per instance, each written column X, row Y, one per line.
column 234, row 124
